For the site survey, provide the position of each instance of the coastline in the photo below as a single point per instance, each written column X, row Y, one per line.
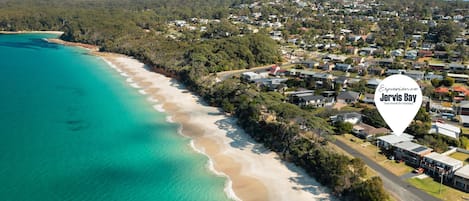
column 231, row 152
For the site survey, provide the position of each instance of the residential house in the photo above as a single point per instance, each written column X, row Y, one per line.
column 395, row 72
column 376, row 71
column 327, row 66
column 274, row 70
column 250, row 76
column 464, row 113
column 342, row 67
column 397, row 53
column 342, row 80
column 310, row 63
column 336, row 58
column 445, row 129
column 410, row 152
column 460, row 93
column 464, row 108
column 459, row 78
column 366, row 51
column 419, row 65
column 440, row 54
column 369, row 98
column 351, row 50
column 416, row 75
column 436, row 164
column 388, row 141
column 357, row 59
column 350, row 117
column 386, row 62
column 366, row 131
column 272, row 84
column 431, row 76
column 464, row 120
column 328, row 94
column 457, row 68
column 461, row 179
column 437, row 67
column 373, row 83
column 348, row 97
column 312, row 100
column 425, row 53
column 411, row 54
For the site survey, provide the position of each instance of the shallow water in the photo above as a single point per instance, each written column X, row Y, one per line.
column 72, row 128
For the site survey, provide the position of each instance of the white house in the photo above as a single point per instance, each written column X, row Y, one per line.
column 415, row 74
column 445, row 129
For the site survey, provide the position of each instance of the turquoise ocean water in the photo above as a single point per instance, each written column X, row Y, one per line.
column 72, row 129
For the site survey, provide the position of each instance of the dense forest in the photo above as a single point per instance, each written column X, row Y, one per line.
column 139, row 28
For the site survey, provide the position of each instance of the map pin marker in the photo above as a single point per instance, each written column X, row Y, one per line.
column 398, row 99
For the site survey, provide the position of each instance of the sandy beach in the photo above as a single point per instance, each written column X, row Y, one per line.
column 253, row 172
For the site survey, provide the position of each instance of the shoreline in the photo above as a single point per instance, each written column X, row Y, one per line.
column 231, row 153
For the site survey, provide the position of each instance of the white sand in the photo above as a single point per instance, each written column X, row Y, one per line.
column 232, row 152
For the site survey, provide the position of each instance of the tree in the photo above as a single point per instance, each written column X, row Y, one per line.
column 373, row 118
column 446, row 32
column 447, row 81
column 371, row 190
column 348, row 61
column 343, row 127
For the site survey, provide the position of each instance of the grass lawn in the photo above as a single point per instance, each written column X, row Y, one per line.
column 460, row 156
column 432, row 187
column 465, row 130
column 370, row 151
column 435, row 61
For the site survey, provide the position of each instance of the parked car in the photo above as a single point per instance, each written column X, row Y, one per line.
column 418, row 170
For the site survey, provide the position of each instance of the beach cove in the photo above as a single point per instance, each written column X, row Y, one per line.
column 247, row 170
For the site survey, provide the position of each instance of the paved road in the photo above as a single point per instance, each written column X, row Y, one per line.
column 392, row 183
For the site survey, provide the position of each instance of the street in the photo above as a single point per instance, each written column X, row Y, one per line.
column 392, row 183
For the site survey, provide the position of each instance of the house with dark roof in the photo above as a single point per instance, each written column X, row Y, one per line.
column 348, row 97
column 312, row 100
column 373, row 83
column 457, row 68
column 310, row 63
column 342, row 80
column 376, row 71
column 342, row 67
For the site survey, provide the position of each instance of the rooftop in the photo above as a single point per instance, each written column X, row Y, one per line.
column 412, row 147
column 463, row 172
column 393, row 139
column 445, row 129
column 443, row 159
